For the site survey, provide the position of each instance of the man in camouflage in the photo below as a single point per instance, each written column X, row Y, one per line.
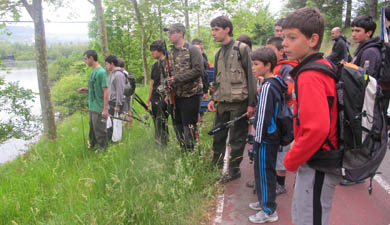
column 186, row 65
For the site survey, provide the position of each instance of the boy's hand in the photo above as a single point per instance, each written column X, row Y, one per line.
column 250, row 111
column 211, row 106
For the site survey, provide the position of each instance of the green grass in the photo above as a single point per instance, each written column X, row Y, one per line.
column 134, row 182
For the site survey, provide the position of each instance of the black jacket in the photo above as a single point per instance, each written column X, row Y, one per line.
column 340, row 50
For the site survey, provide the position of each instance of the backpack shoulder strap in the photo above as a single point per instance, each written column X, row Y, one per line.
column 240, row 48
column 317, row 66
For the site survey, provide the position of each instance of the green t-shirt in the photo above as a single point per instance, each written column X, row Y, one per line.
column 97, row 81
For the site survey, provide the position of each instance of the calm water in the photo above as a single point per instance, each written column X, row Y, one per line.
column 27, row 78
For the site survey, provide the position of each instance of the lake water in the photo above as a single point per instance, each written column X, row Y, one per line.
column 27, row 78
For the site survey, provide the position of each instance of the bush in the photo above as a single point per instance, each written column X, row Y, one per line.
column 65, row 96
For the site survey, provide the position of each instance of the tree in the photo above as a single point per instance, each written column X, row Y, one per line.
column 143, row 37
column 102, row 26
column 373, row 5
column 20, row 122
column 348, row 13
column 35, row 11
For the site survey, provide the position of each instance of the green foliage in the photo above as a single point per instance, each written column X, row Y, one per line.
column 65, row 96
column 134, row 182
column 26, row 51
column 255, row 20
column 17, row 119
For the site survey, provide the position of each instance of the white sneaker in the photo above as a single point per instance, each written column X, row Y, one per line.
column 255, row 206
column 263, row 217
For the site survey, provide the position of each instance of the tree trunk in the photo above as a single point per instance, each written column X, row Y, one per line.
column 198, row 26
column 160, row 20
column 143, row 37
column 187, row 20
column 348, row 14
column 49, row 125
column 373, row 4
column 102, row 27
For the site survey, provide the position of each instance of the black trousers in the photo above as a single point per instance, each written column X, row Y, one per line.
column 185, row 117
column 160, row 118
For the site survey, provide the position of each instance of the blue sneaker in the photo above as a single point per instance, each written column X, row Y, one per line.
column 345, row 182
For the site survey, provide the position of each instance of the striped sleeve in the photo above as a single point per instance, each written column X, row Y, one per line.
column 261, row 111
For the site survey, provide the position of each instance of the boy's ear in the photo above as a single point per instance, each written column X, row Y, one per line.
column 268, row 66
column 369, row 33
column 313, row 41
column 227, row 29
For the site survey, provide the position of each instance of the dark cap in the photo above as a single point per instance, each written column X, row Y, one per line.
column 177, row 27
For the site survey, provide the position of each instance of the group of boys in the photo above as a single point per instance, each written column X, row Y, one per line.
column 181, row 70
column 106, row 96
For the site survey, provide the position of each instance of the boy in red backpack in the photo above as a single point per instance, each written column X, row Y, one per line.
column 315, row 118
column 282, row 69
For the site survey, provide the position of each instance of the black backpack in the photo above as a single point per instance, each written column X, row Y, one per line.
column 284, row 119
column 361, row 121
column 384, row 73
column 130, row 84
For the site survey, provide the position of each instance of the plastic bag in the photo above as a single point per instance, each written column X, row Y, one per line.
column 117, row 129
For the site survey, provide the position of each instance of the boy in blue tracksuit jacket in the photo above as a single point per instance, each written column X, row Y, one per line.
column 267, row 139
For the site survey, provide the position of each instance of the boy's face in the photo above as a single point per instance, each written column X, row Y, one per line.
column 278, row 53
column 156, row 54
column 109, row 66
column 174, row 36
column 219, row 33
column 359, row 35
column 296, row 45
column 278, row 31
column 259, row 69
column 88, row 60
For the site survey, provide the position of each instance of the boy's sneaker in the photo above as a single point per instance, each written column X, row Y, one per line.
column 250, row 184
column 263, row 217
column 280, row 189
column 255, row 206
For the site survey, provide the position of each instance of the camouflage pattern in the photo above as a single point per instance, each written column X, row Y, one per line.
column 180, row 65
column 231, row 83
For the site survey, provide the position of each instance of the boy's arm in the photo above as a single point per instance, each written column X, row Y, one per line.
column 373, row 55
column 314, row 121
column 265, row 111
column 196, row 67
column 251, row 80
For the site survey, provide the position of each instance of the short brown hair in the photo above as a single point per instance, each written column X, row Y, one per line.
column 308, row 21
column 222, row 21
column 265, row 55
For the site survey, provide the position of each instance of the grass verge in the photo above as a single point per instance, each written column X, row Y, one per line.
column 134, row 182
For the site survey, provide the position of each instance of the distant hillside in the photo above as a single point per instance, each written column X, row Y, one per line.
column 25, row 34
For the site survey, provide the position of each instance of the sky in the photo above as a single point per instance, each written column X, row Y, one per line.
column 82, row 10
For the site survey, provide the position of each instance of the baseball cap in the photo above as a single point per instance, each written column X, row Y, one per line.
column 177, row 27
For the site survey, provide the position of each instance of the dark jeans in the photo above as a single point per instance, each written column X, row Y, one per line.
column 237, row 134
column 185, row 117
column 97, row 130
column 160, row 119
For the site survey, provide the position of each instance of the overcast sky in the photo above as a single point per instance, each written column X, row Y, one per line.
column 82, row 10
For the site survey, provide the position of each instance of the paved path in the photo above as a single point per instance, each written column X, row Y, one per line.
column 351, row 205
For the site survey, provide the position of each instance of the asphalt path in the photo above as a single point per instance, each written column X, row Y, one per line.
column 352, row 205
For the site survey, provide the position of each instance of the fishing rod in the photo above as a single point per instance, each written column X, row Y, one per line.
column 114, row 117
column 226, row 125
column 142, row 103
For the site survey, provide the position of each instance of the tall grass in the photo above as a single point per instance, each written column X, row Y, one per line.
column 133, row 182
